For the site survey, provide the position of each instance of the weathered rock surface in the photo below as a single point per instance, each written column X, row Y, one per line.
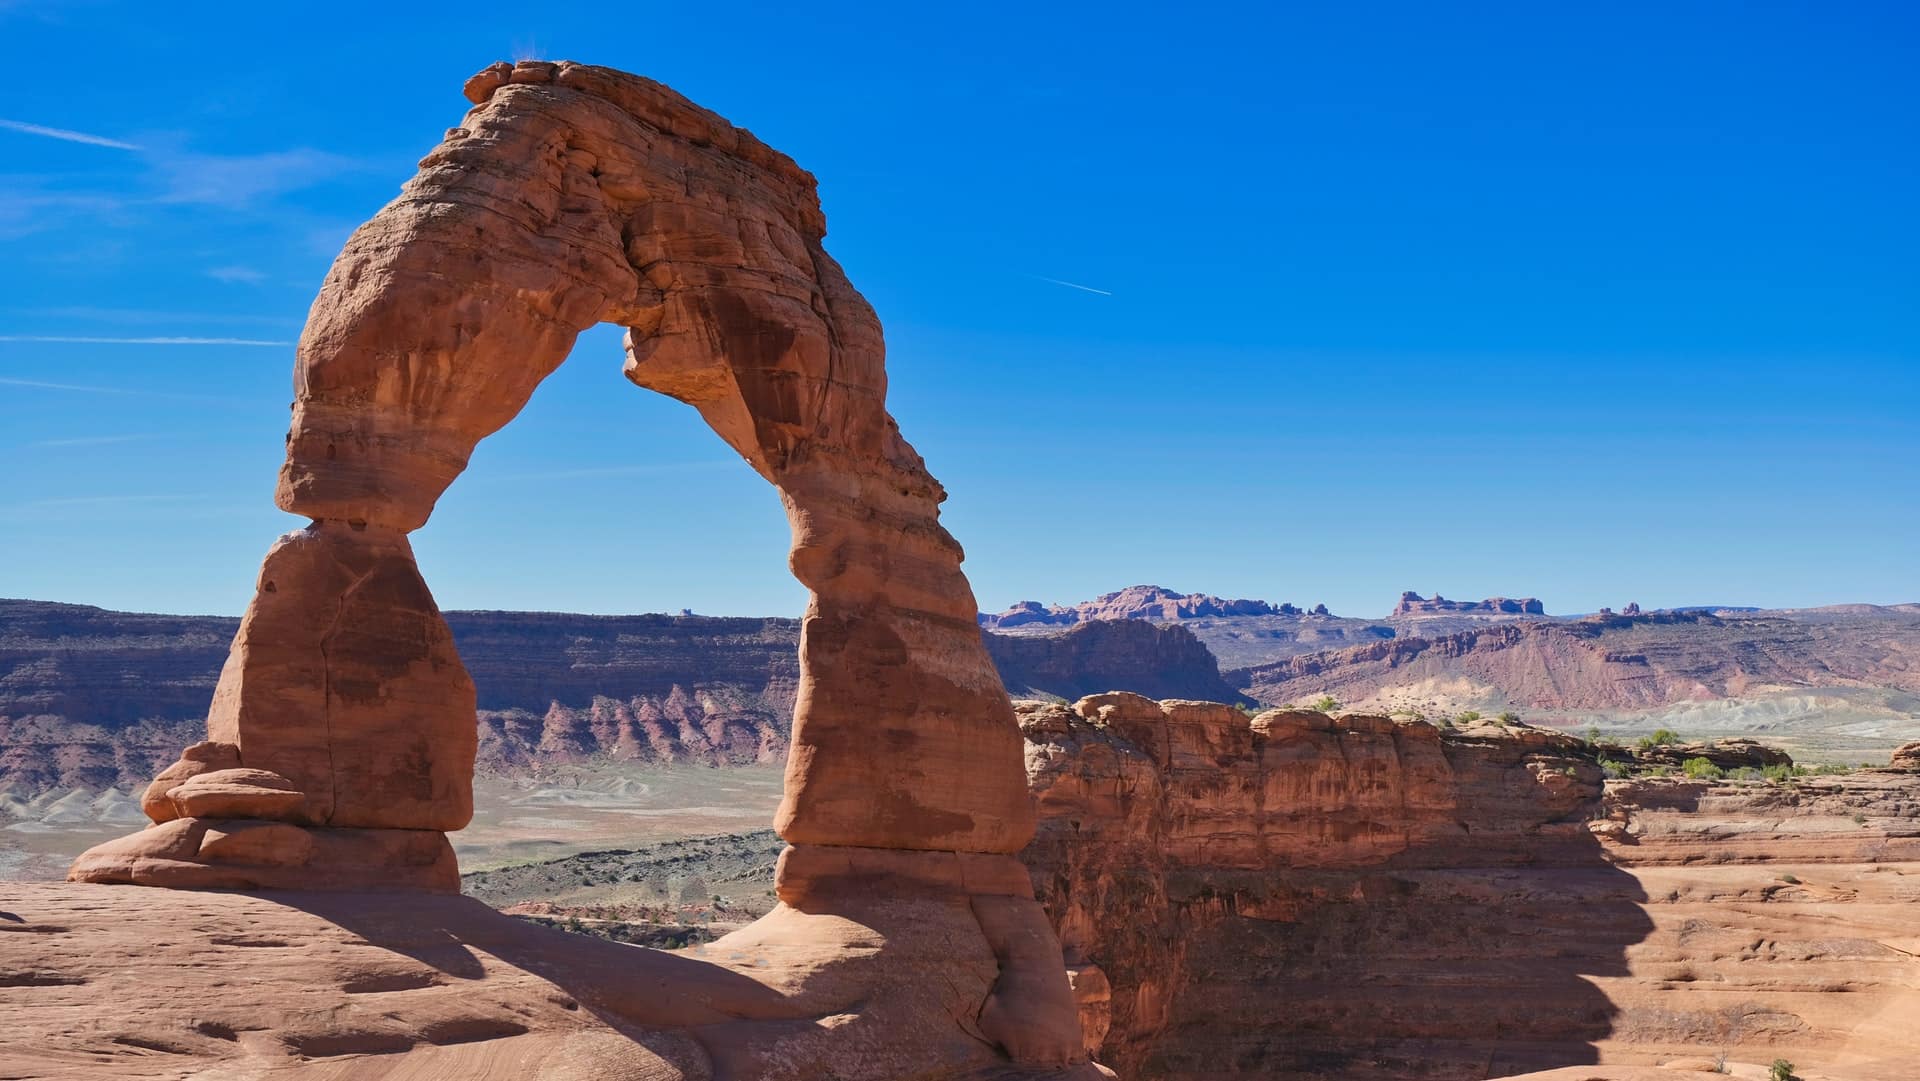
column 1349, row 897
column 100, row 981
column 907, row 941
column 1413, row 604
column 1155, row 603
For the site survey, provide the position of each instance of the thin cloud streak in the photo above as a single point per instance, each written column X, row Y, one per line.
column 1070, row 285
column 80, row 388
column 87, row 440
column 136, row 341
column 108, row 500
column 148, row 315
column 66, row 136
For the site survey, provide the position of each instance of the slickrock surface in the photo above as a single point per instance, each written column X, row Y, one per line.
column 105, row 981
column 1302, row 896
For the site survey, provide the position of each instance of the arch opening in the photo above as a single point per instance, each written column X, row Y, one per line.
column 342, row 731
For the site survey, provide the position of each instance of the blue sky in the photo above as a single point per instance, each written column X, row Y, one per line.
column 1600, row 305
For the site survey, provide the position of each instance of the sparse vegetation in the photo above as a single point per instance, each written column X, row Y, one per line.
column 1790, row 880
column 1661, row 737
column 1326, row 703
column 1593, row 733
column 1508, row 717
column 1779, row 774
column 1781, row 1070
column 1701, row 769
column 1614, row 769
column 1468, row 716
column 1859, row 820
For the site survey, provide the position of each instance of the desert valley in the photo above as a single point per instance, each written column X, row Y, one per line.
column 1298, row 304
column 1393, row 819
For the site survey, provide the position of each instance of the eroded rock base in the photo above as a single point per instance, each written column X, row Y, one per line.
column 120, row 983
column 252, row 853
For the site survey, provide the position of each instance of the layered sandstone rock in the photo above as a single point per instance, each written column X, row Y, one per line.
column 1350, row 897
column 574, row 195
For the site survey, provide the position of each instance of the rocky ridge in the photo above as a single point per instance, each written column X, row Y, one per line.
column 1352, row 897
column 1413, row 604
column 1616, row 661
column 93, row 700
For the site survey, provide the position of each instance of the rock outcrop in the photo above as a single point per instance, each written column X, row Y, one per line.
column 1158, row 661
column 1413, row 604
column 1350, row 897
column 1295, row 894
column 1153, row 603
column 343, row 720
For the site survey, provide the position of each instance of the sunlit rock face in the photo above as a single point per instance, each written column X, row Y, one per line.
column 342, row 729
column 1298, row 895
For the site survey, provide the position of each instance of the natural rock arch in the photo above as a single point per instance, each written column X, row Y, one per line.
column 342, row 731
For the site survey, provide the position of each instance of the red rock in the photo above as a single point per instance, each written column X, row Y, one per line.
column 907, row 941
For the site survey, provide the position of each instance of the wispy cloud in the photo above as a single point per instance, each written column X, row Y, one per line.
column 87, row 440
column 66, row 136
column 92, row 500
column 1069, row 285
column 237, row 275
column 238, row 181
column 133, row 392
column 152, row 315
column 67, row 340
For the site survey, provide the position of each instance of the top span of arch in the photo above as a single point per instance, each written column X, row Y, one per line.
column 573, row 195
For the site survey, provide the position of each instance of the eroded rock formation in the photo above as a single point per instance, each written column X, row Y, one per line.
column 1304, row 896
column 1413, row 604
column 342, row 735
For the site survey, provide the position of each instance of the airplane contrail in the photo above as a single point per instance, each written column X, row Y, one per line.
column 135, row 341
column 1070, row 285
column 65, row 135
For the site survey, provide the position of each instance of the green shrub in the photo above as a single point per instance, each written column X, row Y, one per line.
column 1701, row 769
column 1326, row 703
column 1777, row 774
column 1782, row 1070
column 1509, row 717
column 1468, row 716
column 1614, row 769
column 1661, row 737
column 1859, row 820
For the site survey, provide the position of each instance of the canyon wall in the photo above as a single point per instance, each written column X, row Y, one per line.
column 91, row 699
column 1349, row 897
column 1150, row 659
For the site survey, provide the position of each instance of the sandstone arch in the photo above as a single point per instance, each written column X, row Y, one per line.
column 342, row 732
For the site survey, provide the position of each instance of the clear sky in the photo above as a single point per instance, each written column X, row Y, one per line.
column 1598, row 303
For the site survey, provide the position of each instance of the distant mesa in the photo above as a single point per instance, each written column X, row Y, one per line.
column 1153, row 603
column 1413, row 604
